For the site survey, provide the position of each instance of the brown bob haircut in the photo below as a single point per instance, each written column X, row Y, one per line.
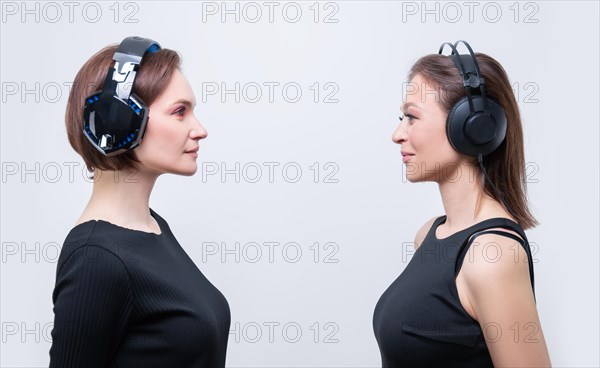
column 152, row 78
column 506, row 165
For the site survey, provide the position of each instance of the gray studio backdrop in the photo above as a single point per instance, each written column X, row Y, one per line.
column 299, row 212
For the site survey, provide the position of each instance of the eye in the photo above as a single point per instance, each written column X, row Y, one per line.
column 180, row 111
column 408, row 117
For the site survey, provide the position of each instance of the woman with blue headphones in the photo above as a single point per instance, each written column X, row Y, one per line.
column 126, row 293
column 466, row 298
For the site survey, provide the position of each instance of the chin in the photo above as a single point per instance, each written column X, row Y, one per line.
column 184, row 171
column 189, row 172
column 412, row 178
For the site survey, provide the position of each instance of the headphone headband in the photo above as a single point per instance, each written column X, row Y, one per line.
column 127, row 60
column 470, row 72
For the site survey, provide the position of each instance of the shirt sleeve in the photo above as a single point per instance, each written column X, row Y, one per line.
column 92, row 304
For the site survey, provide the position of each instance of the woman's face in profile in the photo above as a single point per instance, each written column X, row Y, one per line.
column 422, row 133
column 172, row 132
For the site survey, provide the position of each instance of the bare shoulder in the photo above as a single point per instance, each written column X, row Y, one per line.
column 423, row 232
column 495, row 288
column 496, row 258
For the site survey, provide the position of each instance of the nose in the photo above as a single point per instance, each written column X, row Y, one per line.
column 198, row 130
column 400, row 134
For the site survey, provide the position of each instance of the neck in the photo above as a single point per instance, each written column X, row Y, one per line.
column 463, row 197
column 122, row 196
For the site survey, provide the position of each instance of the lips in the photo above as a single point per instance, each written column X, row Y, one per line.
column 406, row 156
column 192, row 150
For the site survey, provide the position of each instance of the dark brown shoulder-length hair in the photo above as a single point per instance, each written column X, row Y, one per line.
column 152, row 78
column 506, row 165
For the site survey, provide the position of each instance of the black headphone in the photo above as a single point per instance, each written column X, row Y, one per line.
column 476, row 124
column 114, row 119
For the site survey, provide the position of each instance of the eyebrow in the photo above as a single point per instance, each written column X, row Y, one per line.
column 183, row 101
column 407, row 105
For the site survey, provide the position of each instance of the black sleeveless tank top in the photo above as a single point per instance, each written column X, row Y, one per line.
column 419, row 320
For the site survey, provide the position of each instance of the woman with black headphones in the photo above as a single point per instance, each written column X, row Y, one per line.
column 127, row 294
column 466, row 298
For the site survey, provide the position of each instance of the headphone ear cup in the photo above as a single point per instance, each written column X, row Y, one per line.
column 475, row 133
column 497, row 113
column 455, row 122
column 112, row 125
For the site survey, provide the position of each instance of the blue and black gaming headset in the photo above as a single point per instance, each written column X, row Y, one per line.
column 114, row 118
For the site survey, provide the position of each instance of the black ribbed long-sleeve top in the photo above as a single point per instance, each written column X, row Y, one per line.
column 128, row 298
